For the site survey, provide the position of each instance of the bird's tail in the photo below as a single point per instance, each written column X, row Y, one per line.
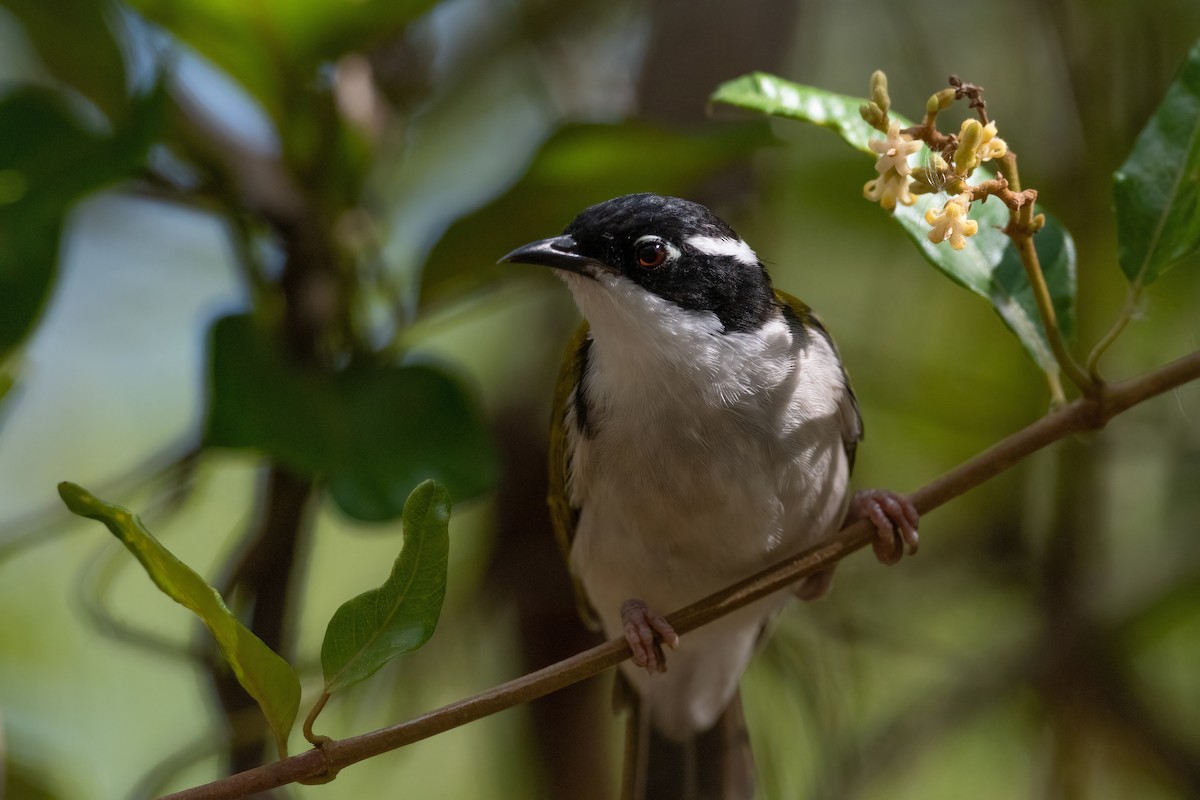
column 715, row 764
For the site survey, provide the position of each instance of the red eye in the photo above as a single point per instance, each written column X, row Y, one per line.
column 651, row 254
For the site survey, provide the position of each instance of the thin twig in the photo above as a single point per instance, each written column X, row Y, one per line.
column 974, row 95
column 1128, row 310
column 1085, row 413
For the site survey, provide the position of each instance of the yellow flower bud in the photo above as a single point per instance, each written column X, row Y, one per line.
column 873, row 115
column 879, row 90
column 966, row 157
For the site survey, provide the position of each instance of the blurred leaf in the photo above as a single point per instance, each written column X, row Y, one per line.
column 273, row 47
column 7, row 382
column 319, row 29
column 28, row 260
column 262, row 673
column 232, row 37
column 375, row 627
column 81, row 53
column 989, row 265
column 577, row 167
column 373, row 431
column 48, row 160
column 1157, row 189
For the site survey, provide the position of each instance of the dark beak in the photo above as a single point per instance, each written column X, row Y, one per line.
column 560, row 252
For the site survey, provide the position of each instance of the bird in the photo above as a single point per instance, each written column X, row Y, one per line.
column 703, row 428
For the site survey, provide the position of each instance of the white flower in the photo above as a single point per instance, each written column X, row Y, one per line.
column 888, row 189
column 952, row 223
column 894, row 151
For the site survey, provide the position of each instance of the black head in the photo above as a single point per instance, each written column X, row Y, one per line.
column 677, row 249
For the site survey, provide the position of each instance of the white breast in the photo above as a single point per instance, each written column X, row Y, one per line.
column 712, row 455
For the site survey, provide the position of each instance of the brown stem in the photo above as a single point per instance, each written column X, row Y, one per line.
column 1085, row 413
column 1021, row 228
column 262, row 581
column 1022, row 236
column 262, row 187
column 928, row 133
column 1000, row 188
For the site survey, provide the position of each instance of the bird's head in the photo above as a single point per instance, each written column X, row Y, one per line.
column 653, row 260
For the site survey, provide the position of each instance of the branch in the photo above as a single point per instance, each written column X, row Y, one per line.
column 1085, row 413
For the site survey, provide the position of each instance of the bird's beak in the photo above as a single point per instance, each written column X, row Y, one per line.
column 560, row 252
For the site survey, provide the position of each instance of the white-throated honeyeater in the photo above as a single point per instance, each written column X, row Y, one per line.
column 704, row 428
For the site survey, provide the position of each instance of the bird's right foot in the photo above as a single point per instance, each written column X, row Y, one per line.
column 647, row 631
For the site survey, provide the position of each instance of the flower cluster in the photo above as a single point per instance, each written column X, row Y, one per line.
column 948, row 168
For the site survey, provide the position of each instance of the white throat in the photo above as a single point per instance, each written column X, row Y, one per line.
column 648, row 350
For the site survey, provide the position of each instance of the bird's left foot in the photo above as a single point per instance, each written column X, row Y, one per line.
column 895, row 519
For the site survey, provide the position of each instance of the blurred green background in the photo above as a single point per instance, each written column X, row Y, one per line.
column 343, row 176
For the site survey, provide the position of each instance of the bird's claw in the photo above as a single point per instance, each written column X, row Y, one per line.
column 646, row 631
column 895, row 519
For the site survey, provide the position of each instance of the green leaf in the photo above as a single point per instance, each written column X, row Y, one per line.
column 988, row 266
column 373, row 431
column 263, row 673
column 48, row 160
column 777, row 97
column 399, row 616
column 1157, row 189
column 578, row 166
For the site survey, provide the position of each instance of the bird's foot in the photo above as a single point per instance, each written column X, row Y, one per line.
column 646, row 631
column 895, row 519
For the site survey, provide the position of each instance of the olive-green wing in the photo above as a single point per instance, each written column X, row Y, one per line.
column 563, row 514
column 852, row 426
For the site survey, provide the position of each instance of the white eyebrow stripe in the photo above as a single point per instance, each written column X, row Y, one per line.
column 724, row 246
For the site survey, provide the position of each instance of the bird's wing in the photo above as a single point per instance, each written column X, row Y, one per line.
column 565, row 426
column 799, row 314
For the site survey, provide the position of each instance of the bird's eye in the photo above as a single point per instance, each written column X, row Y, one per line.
column 651, row 253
